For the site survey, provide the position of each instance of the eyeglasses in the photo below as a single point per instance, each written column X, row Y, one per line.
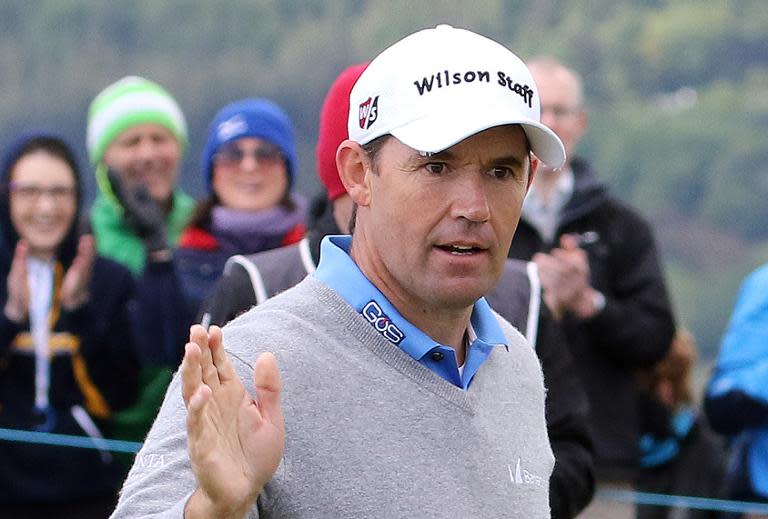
column 233, row 155
column 560, row 111
column 33, row 192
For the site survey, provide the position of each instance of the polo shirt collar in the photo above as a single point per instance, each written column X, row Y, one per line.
column 338, row 270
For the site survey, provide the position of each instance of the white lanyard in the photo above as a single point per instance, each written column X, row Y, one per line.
column 40, row 282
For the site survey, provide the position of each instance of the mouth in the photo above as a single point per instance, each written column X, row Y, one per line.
column 45, row 226
column 461, row 250
column 249, row 186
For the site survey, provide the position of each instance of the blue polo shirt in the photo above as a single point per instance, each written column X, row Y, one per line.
column 337, row 270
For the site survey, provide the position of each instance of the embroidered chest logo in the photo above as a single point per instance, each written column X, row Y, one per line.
column 381, row 322
column 368, row 112
column 520, row 476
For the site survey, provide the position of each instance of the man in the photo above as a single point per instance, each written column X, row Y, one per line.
column 599, row 272
column 250, row 280
column 137, row 130
column 405, row 395
column 136, row 136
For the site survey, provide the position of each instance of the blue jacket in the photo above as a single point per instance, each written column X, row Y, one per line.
column 737, row 395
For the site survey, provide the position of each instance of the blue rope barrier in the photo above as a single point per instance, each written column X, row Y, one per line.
column 608, row 494
column 64, row 440
column 695, row 503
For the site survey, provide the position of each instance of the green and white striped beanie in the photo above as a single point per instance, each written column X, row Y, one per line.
column 129, row 102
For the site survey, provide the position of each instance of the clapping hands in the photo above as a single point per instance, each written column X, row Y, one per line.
column 74, row 287
column 565, row 279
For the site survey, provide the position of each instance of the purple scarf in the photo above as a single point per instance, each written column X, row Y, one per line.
column 246, row 232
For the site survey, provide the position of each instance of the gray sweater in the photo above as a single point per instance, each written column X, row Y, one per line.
column 369, row 431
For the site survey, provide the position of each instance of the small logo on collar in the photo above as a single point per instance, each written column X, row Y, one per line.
column 382, row 323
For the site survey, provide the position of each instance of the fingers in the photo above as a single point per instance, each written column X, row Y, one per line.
column 82, row 265
column 17, row 303
column 220, row 359
column 569, row 241
column 19, row 263
column 196, row 412
column 191, row 373
column 266, row 380
column 210, row 375
column 86, row 250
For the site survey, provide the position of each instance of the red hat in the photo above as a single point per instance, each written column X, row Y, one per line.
column 333, row 129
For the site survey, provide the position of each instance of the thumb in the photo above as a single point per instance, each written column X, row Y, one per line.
column 266, row 380
column 569, row 241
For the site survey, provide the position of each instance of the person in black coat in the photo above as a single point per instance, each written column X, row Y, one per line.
column 67, row 356
column 601, row 278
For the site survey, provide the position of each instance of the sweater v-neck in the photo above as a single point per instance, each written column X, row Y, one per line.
column 390, row 354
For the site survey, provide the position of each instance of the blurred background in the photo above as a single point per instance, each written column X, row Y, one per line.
column 677, row 92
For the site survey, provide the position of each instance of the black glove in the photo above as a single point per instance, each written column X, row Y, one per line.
column 142, row 213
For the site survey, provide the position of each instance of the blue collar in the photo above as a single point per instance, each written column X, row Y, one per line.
column 337, row 270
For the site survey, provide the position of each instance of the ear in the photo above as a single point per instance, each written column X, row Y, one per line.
column 533, row 168
column 354, row 167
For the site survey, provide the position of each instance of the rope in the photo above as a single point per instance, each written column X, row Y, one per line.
column 607, row 494
column 65, row 440
column 672, row 501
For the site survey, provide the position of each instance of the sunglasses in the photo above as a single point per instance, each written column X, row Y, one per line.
column 33, row 192
column 233, row 155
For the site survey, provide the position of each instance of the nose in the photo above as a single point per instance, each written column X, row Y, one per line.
column 45, row 203
column 471, row 198
column 249, row 162
column 146, row 150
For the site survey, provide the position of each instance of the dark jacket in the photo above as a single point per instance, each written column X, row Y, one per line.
column 252, row 279
column 200, row 258
column 93, row 366
column 681, row 456
column 635, row 328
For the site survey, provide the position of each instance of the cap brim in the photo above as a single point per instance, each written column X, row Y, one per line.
column 437, row 132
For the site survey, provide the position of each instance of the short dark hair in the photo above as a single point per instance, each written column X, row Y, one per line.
column 373, row 148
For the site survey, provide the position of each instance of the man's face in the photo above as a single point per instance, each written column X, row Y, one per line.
column 435, row 231
column 561, row 106
column 146, row 154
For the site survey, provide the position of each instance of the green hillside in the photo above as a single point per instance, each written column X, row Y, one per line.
column 677, row 90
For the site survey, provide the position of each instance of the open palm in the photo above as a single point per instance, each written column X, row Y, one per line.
column 235, row 443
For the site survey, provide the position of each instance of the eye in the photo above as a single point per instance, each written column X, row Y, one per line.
column 502, row 172
column 159, row 138
column 436, row 168
column 131, row 141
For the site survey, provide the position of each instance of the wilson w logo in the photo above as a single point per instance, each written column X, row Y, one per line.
column 368, row 112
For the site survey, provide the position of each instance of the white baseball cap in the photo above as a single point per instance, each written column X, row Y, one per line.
column 438, row 86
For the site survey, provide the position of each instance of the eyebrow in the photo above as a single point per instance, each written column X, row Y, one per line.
column 446, row 155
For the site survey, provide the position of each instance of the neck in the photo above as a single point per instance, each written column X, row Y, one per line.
column 44, row 256
column 445, row 324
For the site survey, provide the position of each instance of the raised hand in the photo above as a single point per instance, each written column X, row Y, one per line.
column 17, row 306
column 235, row 443
column 143, row 214
column 565, row 279
column 74, row 287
